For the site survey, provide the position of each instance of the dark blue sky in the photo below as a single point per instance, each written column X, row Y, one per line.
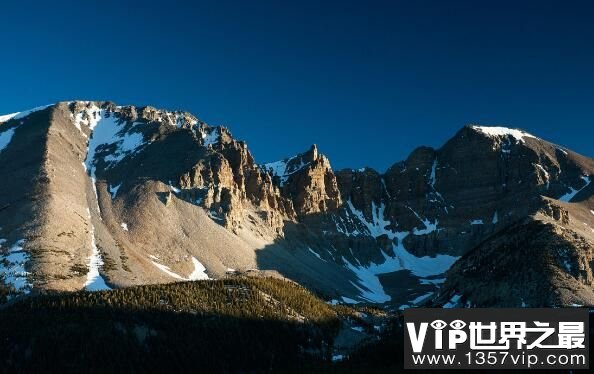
column 368, row 81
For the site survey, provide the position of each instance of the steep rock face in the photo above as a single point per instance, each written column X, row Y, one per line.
column 100, row 195
column 22, row 194
column 362, row 187
column 307, row 180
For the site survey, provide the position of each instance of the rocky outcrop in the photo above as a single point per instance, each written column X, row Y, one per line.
column 311, row 184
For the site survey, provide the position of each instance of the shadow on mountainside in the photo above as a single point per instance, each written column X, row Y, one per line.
column 22, row 177
column 316, row 262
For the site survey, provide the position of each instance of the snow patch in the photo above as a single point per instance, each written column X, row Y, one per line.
column 182, row 118
column 429, row 226
column 211, row 137
column 453, row 302
column 277, row 169
column 12, row 267
column 89, row 117
column 385, row 187
column 503, row 131
column 378, row 225
column 546, row 175
column 315, row 254
column 167, row 271
column 432, row 175
column 124, row 226
column 8, row 117
column 565, row 259
column 421, row 298
column 573, row 192
column 109, row 132
column 422, row 266
column 369, row 286
column 113, row 191
column 174, row 189
column 477, row 222
column 199, row 272
column 283, row 170
column 403, row 260
column 435, row 281
column 5, row 138
column 348, row 300
column 95, row 281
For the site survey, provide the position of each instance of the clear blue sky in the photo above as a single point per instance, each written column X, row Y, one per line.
column 368, row 81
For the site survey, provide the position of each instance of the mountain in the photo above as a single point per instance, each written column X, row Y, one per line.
column 98, row 196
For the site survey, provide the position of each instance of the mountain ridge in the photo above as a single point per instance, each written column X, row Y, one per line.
column 160, row 196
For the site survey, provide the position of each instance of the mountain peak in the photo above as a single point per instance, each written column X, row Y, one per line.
column 314, row 151
column 290, row 165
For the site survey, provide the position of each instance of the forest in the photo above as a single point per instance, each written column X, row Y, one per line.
column 234, row 325
column 230, row 325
